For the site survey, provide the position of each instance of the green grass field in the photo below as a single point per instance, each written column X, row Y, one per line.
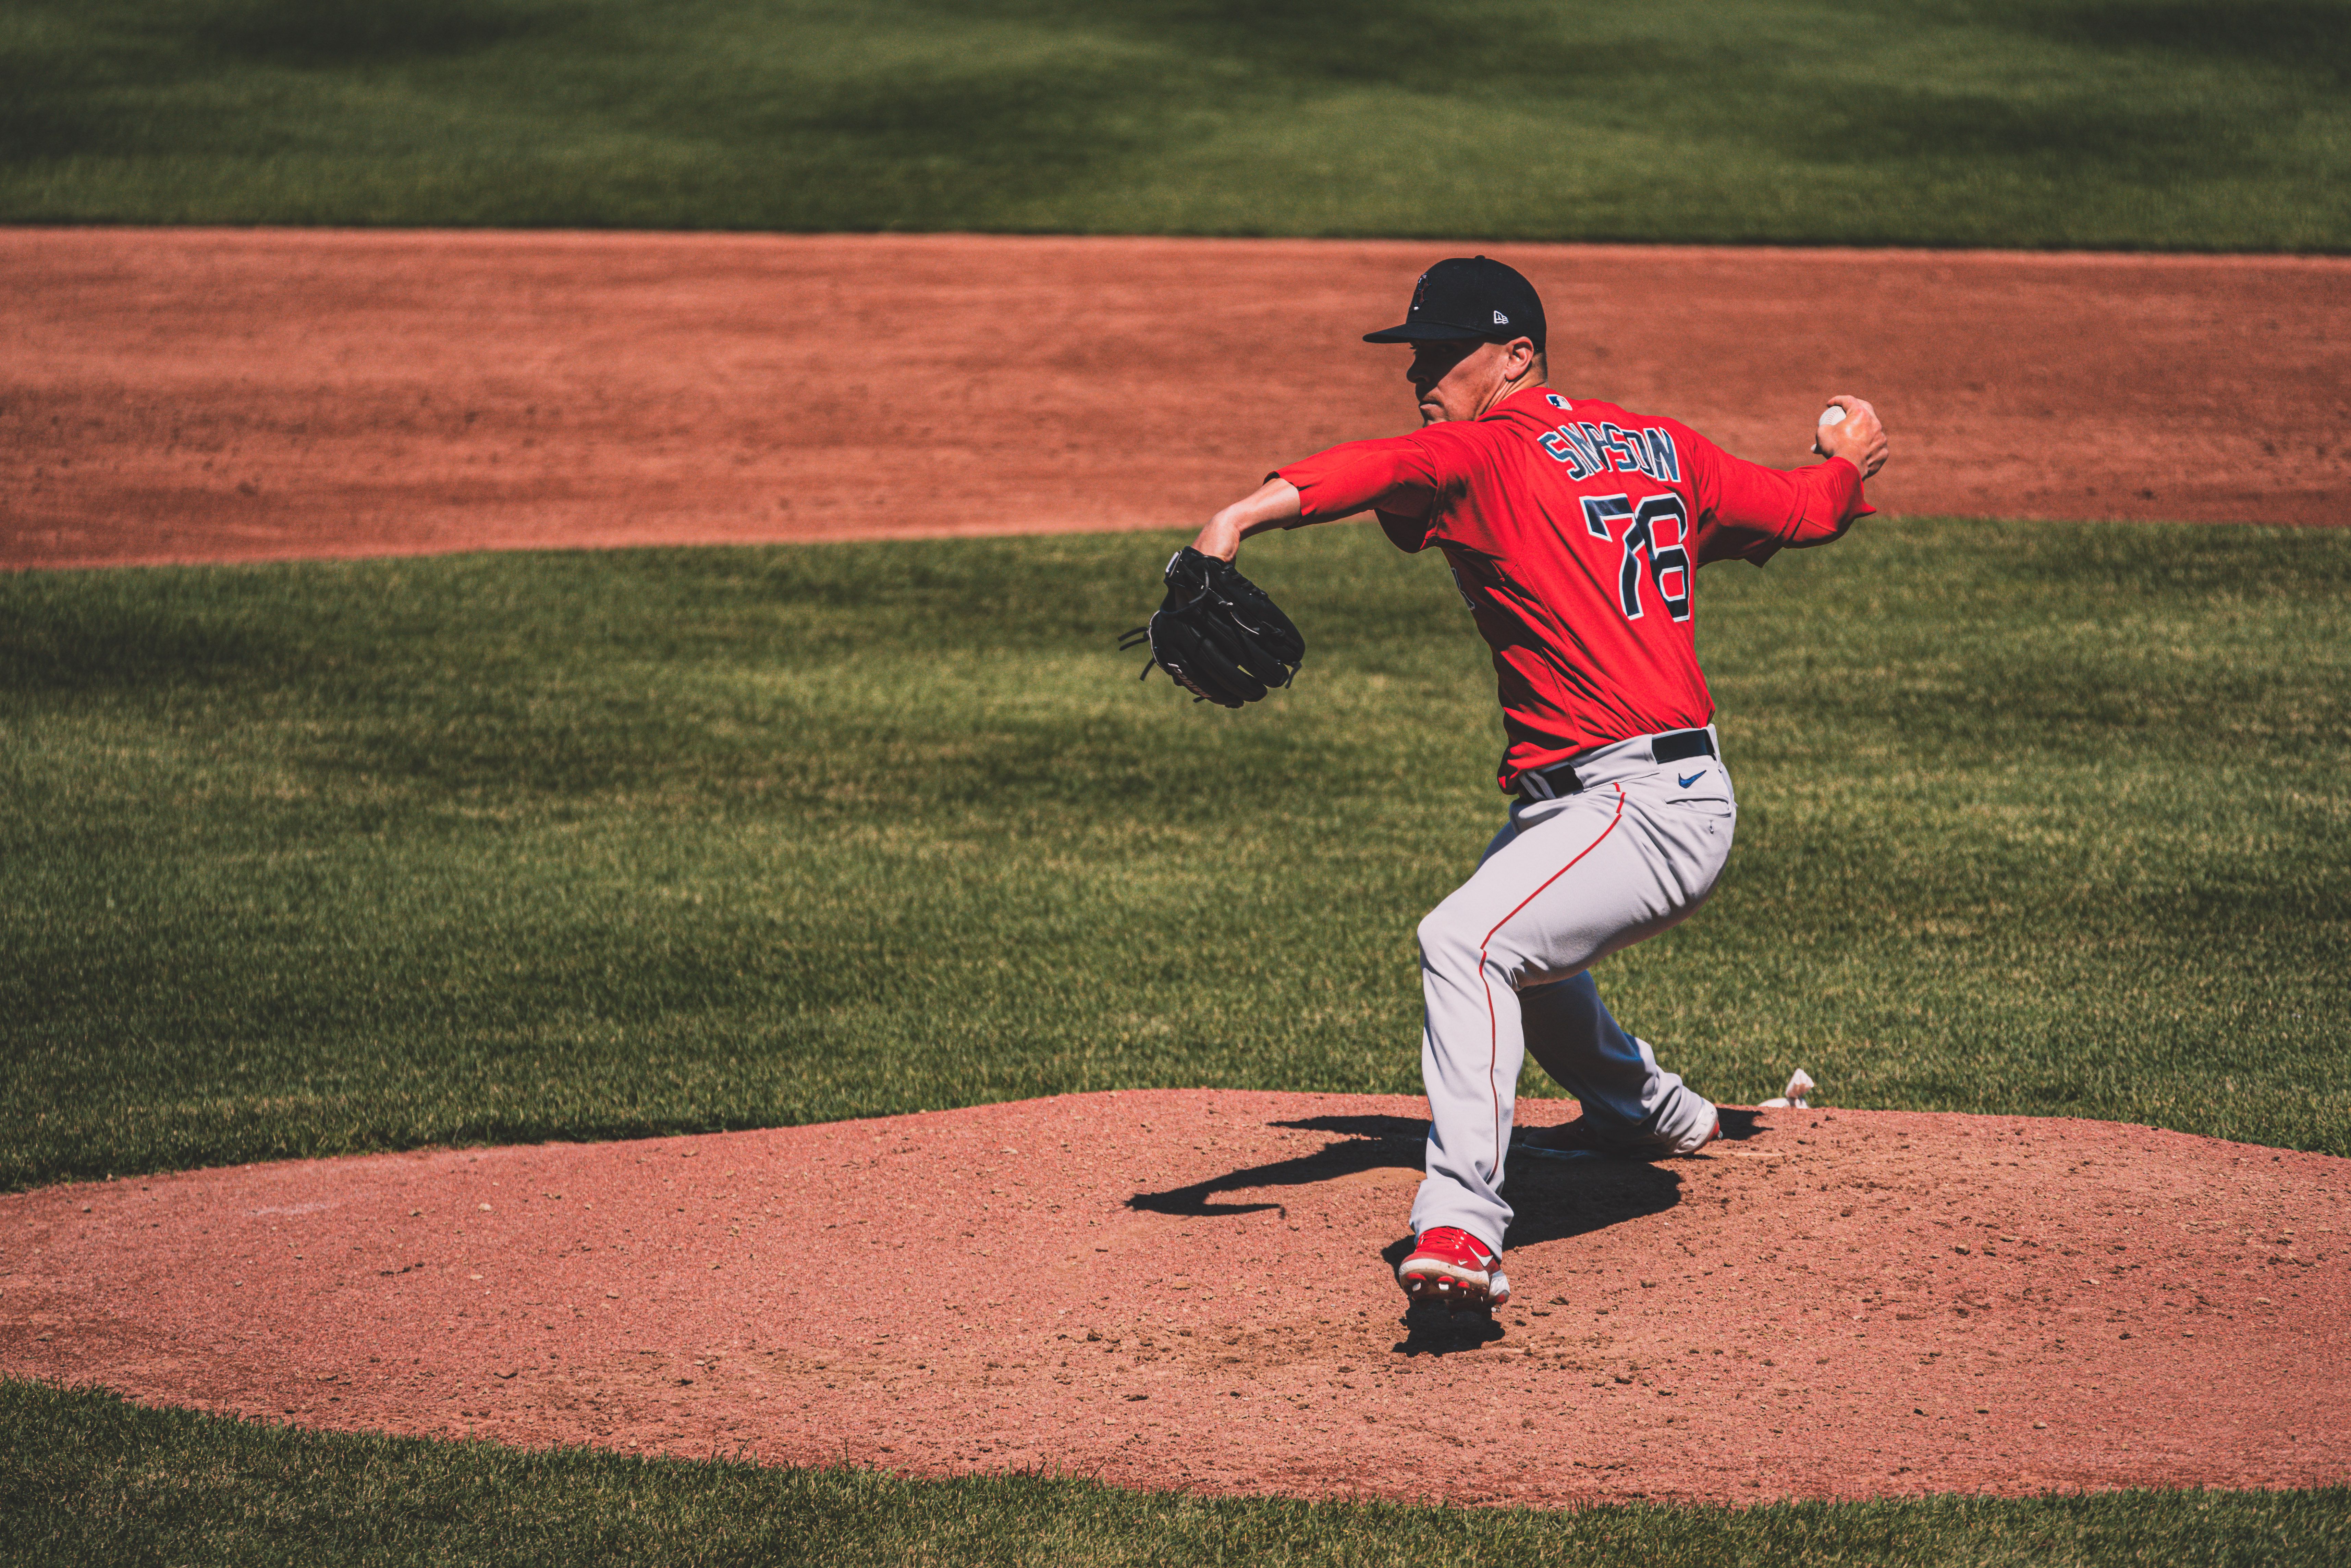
column 308, row 859
column 85, row 1479
column 302, row 860
column 327, row 857
column 2133, row 123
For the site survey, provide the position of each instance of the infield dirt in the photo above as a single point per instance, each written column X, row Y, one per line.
column 186, row 395
column 1193, row 1288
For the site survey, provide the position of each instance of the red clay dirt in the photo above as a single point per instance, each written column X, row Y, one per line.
column 185, row 394
column 1193, row 1288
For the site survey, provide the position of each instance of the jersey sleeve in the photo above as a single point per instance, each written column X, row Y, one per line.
column 1749, row 512
column 1399, row 478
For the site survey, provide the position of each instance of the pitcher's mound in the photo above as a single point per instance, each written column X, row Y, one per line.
column 1194, row 1289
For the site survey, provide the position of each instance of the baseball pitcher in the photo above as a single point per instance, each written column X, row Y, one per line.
column 1574, row 529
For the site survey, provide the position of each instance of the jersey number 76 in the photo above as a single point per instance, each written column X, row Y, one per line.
column 1667, row 562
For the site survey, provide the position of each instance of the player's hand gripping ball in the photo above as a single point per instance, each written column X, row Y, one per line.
column 1217, row 633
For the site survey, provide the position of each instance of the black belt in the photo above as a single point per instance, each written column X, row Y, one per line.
column 1673, row 746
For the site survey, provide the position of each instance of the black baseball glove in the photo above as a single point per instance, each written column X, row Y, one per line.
column 1217, row 633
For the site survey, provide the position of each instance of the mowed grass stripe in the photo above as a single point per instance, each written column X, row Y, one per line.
column 313, row 859
column 86, row 1477
column 2104, row 124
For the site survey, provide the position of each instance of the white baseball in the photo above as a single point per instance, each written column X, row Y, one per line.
column 1832, row 414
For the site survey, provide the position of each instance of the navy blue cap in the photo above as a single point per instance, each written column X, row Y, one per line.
column 1468, row 297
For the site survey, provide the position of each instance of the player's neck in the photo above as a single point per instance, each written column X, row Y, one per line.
column 1533, row 379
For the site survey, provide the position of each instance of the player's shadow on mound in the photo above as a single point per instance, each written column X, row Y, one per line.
column 1553, row 1199
column 1431, row 1330
column 1378, row 1143
column 1550, row 1201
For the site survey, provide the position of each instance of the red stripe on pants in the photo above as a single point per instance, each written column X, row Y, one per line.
column 1493, row 1023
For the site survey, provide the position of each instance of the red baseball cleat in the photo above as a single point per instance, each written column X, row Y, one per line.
column 1454, row 1267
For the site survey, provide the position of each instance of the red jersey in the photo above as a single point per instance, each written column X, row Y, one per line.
column 1575, row 531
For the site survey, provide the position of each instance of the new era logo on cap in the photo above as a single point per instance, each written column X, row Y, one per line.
column 1501, row 319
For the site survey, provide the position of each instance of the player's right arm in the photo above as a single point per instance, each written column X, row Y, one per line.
column 1752, row 512
column 1859, row 438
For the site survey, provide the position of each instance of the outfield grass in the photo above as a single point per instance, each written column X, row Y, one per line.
column 307, row 859
column 87, row 1478
column 2142, row 124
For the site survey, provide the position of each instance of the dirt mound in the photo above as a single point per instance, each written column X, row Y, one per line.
column 1193, row 1288
column 190, row 394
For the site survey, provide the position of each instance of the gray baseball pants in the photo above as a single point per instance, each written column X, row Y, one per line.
column 1505, row 964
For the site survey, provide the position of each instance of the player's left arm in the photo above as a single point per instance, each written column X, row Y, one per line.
column 1396, row 477
column 1272, row 504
